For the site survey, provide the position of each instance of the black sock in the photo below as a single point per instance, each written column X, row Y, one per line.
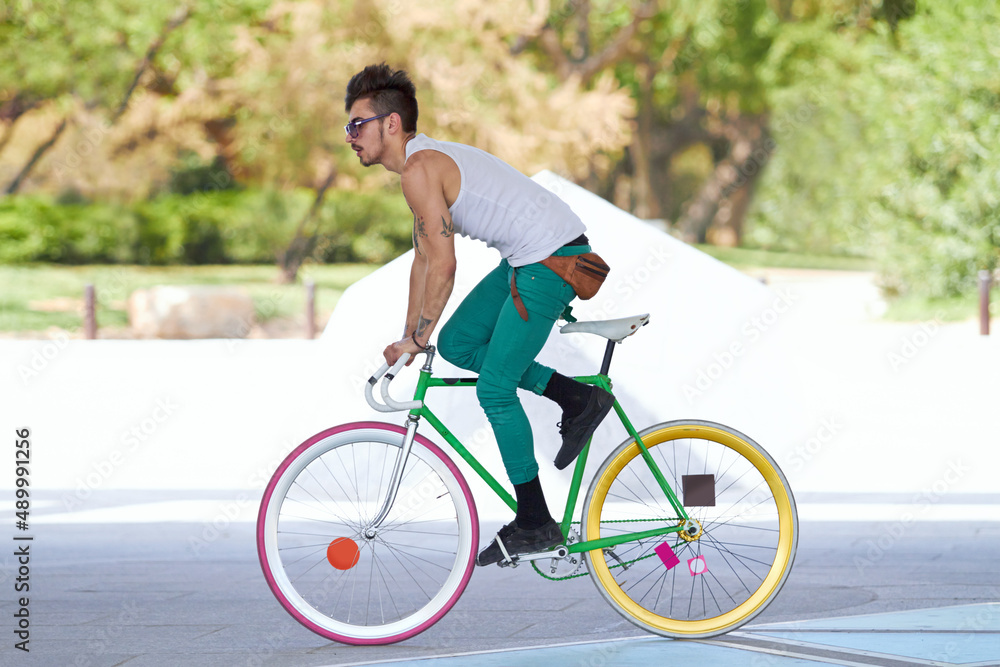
column 569, row 394
column 532, row 512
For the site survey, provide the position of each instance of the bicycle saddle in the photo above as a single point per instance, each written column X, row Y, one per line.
column 616, row 330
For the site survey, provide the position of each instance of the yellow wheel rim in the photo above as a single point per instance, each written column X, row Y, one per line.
column 774, row 577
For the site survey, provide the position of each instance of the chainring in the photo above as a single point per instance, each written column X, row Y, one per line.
column 561, row 568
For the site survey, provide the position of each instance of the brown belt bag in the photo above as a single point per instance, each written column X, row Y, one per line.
column 584, row 273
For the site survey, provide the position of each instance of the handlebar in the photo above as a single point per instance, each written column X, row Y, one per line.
column 391, row 405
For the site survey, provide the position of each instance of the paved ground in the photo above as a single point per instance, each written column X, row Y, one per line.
column 170, row 593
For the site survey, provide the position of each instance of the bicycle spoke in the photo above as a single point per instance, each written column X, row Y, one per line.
column 741, row 529
column 418, row 561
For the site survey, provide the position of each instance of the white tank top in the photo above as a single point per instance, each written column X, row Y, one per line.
column 502, row 207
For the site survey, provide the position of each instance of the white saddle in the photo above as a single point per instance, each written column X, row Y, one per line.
column 616, row 330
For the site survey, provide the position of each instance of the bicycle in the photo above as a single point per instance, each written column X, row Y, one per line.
column 368, row 532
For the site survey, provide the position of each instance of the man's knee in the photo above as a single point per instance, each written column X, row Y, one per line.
column 447, row 345
column 493, row 395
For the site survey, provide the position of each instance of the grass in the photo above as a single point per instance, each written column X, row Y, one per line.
column 750, row 258
column 954, row 309
column 38, row 296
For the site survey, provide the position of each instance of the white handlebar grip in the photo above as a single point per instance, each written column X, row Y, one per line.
column 396, row 405
column 371, row 385
column 398, row 365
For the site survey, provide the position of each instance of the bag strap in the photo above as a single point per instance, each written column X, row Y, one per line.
column 518, row 303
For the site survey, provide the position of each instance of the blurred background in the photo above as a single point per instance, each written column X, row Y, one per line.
column 150, row 144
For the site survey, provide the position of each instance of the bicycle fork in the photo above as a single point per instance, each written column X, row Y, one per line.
column 397, row 475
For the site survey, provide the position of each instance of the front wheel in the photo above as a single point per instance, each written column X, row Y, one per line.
column 339, row 578
column 678, row 584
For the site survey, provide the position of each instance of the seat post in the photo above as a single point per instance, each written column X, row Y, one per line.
column 608, row 351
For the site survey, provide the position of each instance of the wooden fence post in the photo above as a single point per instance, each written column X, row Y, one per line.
column 89, row 316
column 310, row 309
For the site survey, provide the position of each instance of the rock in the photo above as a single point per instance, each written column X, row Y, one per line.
column 190, row 312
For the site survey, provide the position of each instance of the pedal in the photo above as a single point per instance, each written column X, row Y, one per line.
column 512, row 563
column 559, row 552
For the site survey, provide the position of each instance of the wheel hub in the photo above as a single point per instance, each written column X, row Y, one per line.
column 691, row 530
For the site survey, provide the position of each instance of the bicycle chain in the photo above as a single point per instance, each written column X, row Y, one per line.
column 610, row 567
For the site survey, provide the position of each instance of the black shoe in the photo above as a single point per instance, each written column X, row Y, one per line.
column 576, row 431
column 520, row 541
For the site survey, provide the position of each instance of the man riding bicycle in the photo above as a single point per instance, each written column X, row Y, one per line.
column 501, row 326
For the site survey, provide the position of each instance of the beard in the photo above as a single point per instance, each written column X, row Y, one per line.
column 376, row 157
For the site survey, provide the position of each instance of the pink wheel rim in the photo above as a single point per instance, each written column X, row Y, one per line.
column 262, row 552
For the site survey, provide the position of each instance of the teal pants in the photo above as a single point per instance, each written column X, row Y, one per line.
column 486, row 335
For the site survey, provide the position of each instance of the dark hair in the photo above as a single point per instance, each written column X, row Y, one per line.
column 390, row 91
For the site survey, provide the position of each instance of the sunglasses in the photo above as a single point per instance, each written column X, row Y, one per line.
column 353, row 128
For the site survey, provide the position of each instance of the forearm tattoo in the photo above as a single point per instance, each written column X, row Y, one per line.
column 422, row 325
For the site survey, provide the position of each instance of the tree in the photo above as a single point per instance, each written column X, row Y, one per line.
column 692, row 69
column 893, row 159
column 99, row 72
column 294, row 66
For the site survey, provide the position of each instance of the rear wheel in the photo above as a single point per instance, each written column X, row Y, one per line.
column 329, row 572
column 682, row 585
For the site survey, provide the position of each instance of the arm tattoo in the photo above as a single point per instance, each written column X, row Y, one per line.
column 422, row 325
column 416, row 241
column 447, row 227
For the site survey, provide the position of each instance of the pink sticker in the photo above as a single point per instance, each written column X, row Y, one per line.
column 667, row 555
column 697, row 565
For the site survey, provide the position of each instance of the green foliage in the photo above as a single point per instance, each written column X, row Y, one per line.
column 214, row 227
column 49, row 48
column 37, row 229
column 364, row 227
column 193, row 174
column 888, row 147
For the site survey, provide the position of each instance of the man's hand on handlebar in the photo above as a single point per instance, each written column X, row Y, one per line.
column 393, row 352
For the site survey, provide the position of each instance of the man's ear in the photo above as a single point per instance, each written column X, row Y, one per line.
column 395, row 123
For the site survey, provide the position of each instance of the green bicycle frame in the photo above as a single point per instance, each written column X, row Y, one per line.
column 427, row 381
